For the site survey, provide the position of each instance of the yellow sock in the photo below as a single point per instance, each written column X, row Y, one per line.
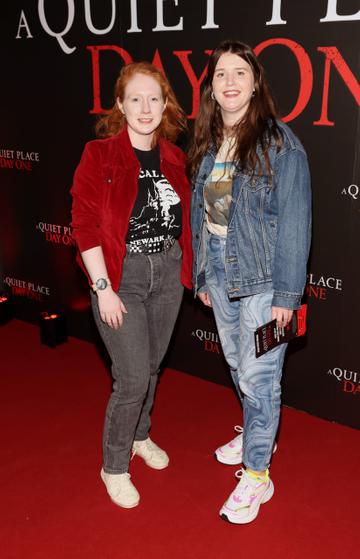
column 256, row 475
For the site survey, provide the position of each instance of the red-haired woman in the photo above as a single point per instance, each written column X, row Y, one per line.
column 130, row 214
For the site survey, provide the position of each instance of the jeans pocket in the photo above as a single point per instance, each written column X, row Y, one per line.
column 216, row 251
column 175, row 252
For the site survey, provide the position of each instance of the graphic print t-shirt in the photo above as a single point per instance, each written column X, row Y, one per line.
column 218, row 190
column 156, row 215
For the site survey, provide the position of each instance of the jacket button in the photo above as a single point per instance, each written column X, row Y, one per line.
column 200, row 205
column 204, row 176
column 109, row 180
column 196, row 236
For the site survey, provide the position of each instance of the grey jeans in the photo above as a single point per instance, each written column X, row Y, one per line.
column 151, row 292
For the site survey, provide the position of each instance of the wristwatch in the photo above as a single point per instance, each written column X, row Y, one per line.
column 100, row 284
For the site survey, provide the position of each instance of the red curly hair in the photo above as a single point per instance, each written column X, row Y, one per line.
column 173, row 120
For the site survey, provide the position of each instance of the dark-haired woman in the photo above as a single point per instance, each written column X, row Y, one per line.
column 251, row 214
column 131, row 206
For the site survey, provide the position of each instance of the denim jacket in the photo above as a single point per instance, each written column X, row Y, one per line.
column 269, row 226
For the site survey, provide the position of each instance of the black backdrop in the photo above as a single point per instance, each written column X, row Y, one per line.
column 59, row 60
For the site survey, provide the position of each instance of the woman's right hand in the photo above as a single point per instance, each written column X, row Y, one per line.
column 111, row 308
column 205, row 298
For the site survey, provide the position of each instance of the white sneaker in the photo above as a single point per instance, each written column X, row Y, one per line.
column 121, row 489
column 232, row 452
column 244, row 502
column 153, row 456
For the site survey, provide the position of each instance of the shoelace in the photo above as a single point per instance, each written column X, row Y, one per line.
column 150, row 446
column 245, row 490
column 114, row 483
column 238, row 429
column 239, row 473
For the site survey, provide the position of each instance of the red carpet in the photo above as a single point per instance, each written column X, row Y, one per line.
column 54, row 504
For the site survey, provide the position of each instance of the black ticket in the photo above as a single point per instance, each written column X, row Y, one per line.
column 269, row 335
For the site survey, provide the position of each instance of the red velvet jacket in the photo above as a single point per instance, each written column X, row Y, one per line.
column 104, row 192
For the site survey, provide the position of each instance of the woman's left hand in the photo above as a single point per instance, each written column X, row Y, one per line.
column 205, row 298
column 281, row 315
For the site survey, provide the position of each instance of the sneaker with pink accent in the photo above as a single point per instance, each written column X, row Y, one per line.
column 244, row 502
column 232, row 452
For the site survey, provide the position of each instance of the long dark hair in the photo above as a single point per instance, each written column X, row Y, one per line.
column 257, row 127
column 173, row 120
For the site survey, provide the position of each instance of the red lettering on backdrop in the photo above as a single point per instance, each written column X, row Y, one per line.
column 183, row 56
column 95, row 50
column 316, row 292
column 158, row 62
column 332, row 55
column 305, row 68
column 350, row 387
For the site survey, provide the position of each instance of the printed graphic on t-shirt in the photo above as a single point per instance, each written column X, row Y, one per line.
column 217, row 193
column 156, row 216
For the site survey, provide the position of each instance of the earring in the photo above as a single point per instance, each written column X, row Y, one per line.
column 212, row 96
column 253, row 93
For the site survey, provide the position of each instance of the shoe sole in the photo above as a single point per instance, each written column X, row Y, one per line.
column 228, row 461
column 232, row 461
column 124, row 506
column 115, row 502
column 233, row 519
column 152, row 465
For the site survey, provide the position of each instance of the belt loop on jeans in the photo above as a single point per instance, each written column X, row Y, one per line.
column 218, row 239
column 168, row 243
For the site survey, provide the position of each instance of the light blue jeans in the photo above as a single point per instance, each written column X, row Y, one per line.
column 257, row 380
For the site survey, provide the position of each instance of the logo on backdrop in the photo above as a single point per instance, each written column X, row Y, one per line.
column 56, row 234
column 349, row 381
column 318, row 287
column 352, row 192
column 209, row 340
column 76, row 16
column 20, row 160
column 28, row 289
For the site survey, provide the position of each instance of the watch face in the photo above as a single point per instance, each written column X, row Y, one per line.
column 101, row 283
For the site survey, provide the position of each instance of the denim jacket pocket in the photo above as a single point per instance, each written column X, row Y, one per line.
column 251, row 217
column 256, row 192
column 258, row 182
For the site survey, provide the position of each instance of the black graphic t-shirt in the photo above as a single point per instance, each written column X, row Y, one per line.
column 156, row 215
